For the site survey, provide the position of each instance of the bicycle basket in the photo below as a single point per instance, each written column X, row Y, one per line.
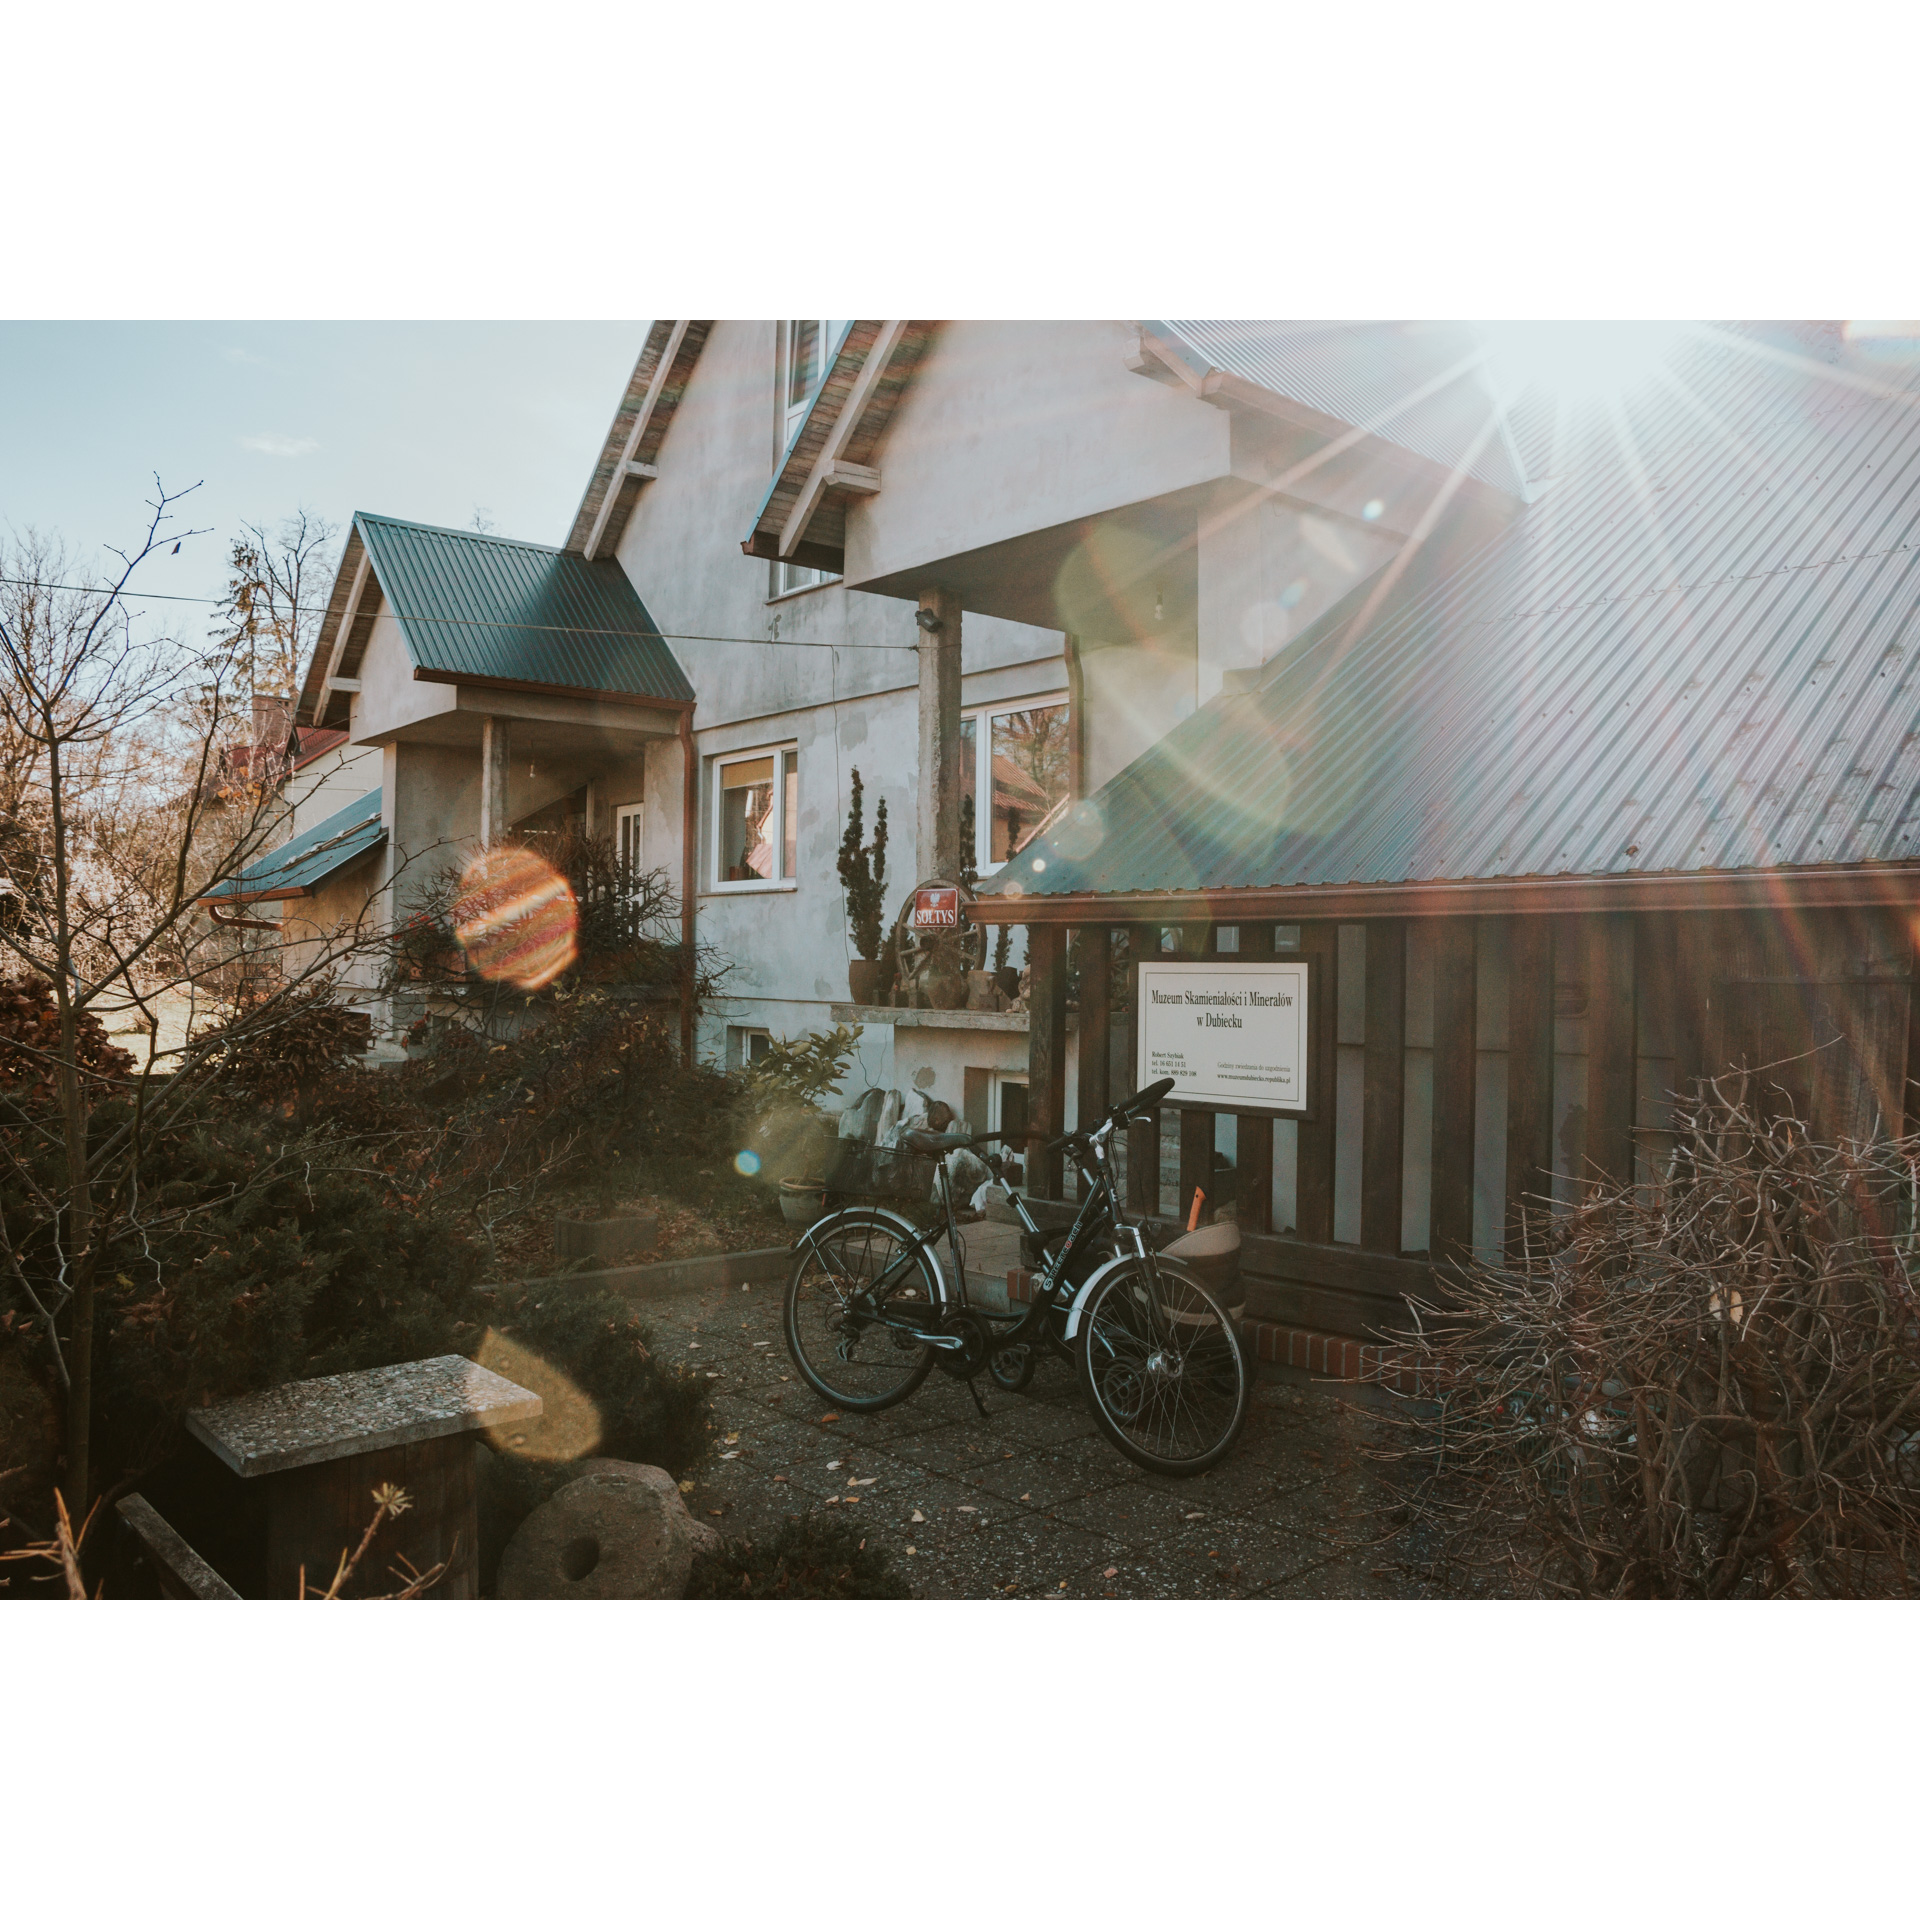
column 858, row 1170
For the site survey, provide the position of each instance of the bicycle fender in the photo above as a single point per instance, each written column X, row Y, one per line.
column 1088, row 1285
column 898, row 1222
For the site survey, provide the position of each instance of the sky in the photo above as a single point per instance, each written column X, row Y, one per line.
column 425, row 420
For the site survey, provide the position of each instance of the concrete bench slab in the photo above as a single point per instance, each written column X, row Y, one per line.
column 346, row 1414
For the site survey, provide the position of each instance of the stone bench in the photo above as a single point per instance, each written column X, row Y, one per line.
column 320, row 1447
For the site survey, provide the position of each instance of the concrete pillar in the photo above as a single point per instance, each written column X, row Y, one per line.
column 496, row 755
column 937, row 841
column 599, row 814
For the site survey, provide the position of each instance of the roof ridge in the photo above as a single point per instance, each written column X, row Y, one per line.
column 460, row 533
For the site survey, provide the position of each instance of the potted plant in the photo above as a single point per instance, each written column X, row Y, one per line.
column 1005, row 977
column 863, row 877
column 802, row 1201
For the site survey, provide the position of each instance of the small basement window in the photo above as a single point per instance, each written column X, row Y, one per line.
column 747, row 1045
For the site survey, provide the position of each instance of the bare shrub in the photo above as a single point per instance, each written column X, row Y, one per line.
column 1710, row 1389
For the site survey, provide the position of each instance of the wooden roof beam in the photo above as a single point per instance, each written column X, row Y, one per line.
column 831, row 469
column 628, row 466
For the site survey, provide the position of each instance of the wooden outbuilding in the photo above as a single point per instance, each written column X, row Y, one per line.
column 1570, row 813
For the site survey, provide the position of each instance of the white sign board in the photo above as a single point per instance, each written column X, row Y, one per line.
column 1227, row 1036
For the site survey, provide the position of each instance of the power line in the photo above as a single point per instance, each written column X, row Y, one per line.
column 511, row 626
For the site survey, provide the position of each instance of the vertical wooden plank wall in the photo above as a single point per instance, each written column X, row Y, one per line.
column 1046, row 1052
column 1196, row 1162
column 1383, row 1106
column 1455, row 1029
column 1313, row 1206
column 1254, row 1165
column 1529, row 1070
column 1610, row 1047
column 1093, row 1091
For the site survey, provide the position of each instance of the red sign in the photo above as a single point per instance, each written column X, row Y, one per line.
column 935, row 908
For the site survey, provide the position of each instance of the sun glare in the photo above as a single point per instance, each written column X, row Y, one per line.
column 1577, row 361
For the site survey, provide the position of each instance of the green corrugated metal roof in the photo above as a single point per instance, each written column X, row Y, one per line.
column 1696, row 653
column 309, row 857
column 474, row 607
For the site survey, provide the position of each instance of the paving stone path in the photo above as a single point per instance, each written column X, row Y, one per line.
column 1032, row 1502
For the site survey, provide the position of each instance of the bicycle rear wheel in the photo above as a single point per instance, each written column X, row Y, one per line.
column 1163, row 1369
column 842, row 1352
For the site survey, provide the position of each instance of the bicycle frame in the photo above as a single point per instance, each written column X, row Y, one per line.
column 1099, row 1207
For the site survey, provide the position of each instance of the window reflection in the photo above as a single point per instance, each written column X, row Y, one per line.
column 746, row 819
column 1029, row 775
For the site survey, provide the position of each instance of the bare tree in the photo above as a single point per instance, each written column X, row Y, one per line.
column 277, row 588
column 123, row 817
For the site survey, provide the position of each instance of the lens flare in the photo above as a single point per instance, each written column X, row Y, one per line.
column 1575, row 360
column 746, row 1161
column 516, row 918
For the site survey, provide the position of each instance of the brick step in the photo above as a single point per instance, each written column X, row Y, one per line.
column 1331, row 1355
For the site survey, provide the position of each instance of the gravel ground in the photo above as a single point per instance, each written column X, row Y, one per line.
column 1033, row 1502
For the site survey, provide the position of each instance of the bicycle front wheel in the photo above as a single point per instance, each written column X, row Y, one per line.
column 837, row 1287
column 1163, row 1369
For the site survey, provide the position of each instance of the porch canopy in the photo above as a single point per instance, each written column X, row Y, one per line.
column 292, row 871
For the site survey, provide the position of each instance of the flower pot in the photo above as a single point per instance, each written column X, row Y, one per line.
column 981, row 992
column 863, row 981
column 947, row 991
column 801, row 1202
column 1007, row 979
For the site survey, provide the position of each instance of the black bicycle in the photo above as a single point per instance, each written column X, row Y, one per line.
column 870, row 1312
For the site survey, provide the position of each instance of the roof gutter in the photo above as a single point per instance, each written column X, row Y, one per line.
column 1777, row 889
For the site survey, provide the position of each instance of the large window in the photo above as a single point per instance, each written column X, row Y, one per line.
column 756, row 817
column 1018, row 756
column 807, row 348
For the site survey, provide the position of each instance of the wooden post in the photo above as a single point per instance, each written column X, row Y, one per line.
column 1254, row 1165
column 1143, row 1165
column 1313, row 1204
column 1529, row 1072
column 937, row 844
column 1046, row 1051
column 1692, row 976
column 1093, row 1091
column 1610, row 1048
column 1196, row 1162
column 1455, row 1031
column 1384, row 1100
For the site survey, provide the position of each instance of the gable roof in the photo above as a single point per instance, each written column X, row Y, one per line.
column 476, row 609
column 802, row 516
column 307, row 859
column 1698, row 653
column 630, row 455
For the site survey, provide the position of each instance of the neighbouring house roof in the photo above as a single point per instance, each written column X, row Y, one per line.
column 630, row 456
column 308, row 858
column 1697, row 654
column 477, row 609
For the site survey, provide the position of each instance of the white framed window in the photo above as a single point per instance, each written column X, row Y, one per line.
column 629, row 823
column 756, row 819
column 748, row 1045
column 806, row 351
column 1017, row 754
